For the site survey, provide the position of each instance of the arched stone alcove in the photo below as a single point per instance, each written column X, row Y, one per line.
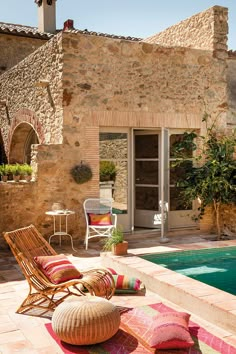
column 23, row 137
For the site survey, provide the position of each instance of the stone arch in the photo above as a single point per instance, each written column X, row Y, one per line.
column 3, row 156
column 20, row 148
column 25, row 130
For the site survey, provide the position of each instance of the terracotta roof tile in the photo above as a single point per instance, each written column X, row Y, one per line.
column 20, row 30
column 92, row 33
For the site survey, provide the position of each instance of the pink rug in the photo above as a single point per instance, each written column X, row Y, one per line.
column 127, row 339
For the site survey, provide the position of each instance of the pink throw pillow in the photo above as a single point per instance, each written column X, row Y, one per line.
column 170, row 331
column 58, row 268
column 100, row 219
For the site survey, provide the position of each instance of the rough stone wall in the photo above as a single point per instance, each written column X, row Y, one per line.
column 25, row 95
column 227, row 219
column 105, row 82
column 13, row 49
column 17, row 205
column 40, row 106
column 122, row 83
column 207, row 30
column 231, row 89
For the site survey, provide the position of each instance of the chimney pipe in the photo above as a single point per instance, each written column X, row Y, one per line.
column 46, row 15
column 68, row 24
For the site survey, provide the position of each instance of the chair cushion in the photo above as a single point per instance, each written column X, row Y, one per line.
column 57, row 268
column 100, row 219
column 170, row 331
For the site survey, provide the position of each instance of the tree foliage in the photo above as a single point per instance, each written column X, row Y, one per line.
column 212, row 177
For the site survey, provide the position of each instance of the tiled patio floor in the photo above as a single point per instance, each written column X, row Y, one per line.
column 28, row 335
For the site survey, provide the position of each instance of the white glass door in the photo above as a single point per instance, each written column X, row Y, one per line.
column 114, row 173
column 147, row 179
column 180, row 213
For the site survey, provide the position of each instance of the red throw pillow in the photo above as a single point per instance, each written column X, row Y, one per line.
column 57, row 269
column 100, row 219
column 170, row 331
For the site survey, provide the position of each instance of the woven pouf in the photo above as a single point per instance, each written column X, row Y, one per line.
column 88, row 320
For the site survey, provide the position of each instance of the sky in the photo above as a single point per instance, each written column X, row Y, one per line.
column 135, row 18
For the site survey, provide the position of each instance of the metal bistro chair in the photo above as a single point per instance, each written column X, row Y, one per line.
column 100, row 220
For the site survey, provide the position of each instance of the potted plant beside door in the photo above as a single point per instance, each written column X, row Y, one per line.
column 116, row 243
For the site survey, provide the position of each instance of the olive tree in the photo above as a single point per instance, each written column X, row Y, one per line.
column 212, row 177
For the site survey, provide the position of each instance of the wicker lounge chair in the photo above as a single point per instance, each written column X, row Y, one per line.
column 27, row 243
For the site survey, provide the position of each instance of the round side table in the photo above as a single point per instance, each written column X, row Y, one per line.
column 57, row 225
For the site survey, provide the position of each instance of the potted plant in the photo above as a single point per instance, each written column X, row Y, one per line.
column 4, row 172
column 16, row 171
column 116, row 242
column 107, row 171
column 81, row 173
column 26, row 171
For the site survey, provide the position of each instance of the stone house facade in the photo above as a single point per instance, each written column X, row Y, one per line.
column 84, row 97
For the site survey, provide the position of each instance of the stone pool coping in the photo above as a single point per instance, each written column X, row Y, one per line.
column 211, row 304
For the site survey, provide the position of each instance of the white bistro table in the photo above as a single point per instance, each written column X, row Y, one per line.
column 57, row 225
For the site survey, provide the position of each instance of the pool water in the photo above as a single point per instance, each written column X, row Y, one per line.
column 215, row 266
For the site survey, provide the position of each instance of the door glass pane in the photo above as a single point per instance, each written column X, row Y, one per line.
column 178, row 171
column 177, row 138
column 121, row 179
column 120, row 204
column 113, row 146
column 113, row 150
column 146, row 172
column 147, row 198
column 146, row 146
column 176, row 200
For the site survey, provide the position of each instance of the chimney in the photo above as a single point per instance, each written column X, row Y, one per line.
column 68, row 25
column 46, row 15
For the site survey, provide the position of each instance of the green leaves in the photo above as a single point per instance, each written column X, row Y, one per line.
column 212, row 177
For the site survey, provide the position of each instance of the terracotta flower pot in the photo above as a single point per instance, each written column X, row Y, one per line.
column 16, row 178
column 120, row 249
column 28, row 178
column 4, row 178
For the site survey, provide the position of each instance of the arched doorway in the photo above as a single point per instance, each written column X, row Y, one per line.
column 23, row 137
column 3, row 156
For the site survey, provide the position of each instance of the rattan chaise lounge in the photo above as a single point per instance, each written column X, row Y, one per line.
column 26, row 244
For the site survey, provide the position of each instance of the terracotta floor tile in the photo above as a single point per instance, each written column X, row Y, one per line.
column 27, row 334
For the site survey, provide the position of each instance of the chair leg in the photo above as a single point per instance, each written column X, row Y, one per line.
column 43, row 302
column 37, row 301
column 86, row 240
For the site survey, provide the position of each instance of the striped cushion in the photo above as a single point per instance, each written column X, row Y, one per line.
column 125, row 284
column 57, row 269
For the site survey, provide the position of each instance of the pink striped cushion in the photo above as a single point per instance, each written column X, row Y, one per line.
column 57, row 269
column 127, row 284
column 170, row 331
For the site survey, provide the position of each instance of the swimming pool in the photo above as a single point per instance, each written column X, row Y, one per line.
column 215, row 266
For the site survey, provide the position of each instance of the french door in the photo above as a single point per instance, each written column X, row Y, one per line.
column 143, row 187
column 156, row 196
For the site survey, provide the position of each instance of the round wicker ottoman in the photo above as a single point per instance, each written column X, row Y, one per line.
column 88, row 320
